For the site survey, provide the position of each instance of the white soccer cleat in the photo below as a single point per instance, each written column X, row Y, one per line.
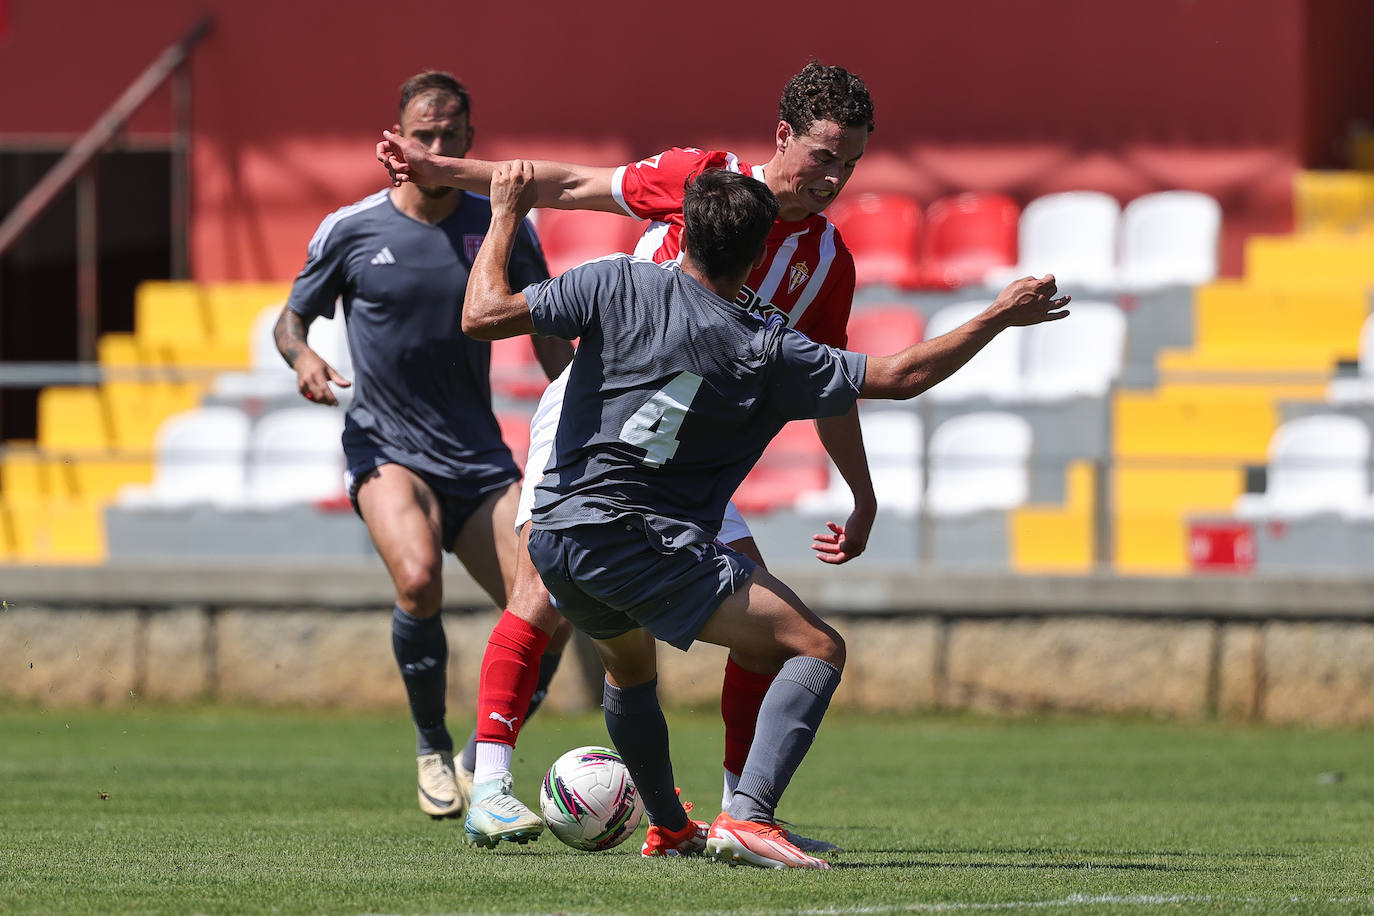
column 498, row 815
column 463, row 776
column 438, row 788
column 758, row 844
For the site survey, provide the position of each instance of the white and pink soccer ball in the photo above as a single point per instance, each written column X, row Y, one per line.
column 588, row 799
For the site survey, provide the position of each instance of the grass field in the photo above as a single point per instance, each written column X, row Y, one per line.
column 233, row 811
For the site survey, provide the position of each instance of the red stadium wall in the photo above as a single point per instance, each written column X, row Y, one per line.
column 1225, row 96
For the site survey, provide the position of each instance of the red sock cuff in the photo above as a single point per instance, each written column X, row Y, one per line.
column 509, row 674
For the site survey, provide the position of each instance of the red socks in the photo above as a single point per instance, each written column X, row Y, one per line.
column 510, row 671
column 741, row 695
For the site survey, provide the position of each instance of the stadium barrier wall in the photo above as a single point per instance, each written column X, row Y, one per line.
column 1283, row 651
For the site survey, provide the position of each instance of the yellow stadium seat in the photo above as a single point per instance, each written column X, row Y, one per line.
column 137, row 409
column 1334, row 202
column 1058, row 539
column 25, row 472
column 234, row 306
column 170, row 312
column 1310, row 262
column 1192, row 421
column 119, row 350
column 56, row 531
column 72, row 417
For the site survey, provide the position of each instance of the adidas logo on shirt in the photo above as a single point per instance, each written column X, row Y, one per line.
column 384, row 257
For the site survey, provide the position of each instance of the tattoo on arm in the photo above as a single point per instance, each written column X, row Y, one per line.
column 289, row 335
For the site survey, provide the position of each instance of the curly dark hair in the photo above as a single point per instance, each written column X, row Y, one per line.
column 439, row 83
column 822, row 93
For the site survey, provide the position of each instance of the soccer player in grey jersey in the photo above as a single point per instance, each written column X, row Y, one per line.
column 428, row 470
column 673, row 396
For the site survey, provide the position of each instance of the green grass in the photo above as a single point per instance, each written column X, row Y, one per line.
column 236, row 811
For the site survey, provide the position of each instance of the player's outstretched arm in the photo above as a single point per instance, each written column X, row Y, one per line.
column 313, row 374
column 490, row 310
column 560, row 185
column 906, row 374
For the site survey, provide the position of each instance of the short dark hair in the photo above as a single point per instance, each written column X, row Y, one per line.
column 821, row 93
column 438, row 82
column 726, row 219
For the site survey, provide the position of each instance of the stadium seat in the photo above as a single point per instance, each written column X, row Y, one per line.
column 966, row 237
column 200, row 458
column 1169, row 238
column 294, row 456
column 572, row 237
column 883, row 232
column 979, row 462
column 1359, row 388
column 794, row 463
column 994, row 372
column 1318, row 463
column 515, row 370
column 515, row 432
column 893, row 441
column 269, row 375
column 1071, row 235
column 881, row 330
column 1079, row 356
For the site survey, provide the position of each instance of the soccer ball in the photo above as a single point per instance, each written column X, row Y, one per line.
column 588, row 799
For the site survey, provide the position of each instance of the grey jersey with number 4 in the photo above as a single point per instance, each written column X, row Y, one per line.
column 674, row 394
column 422, row 388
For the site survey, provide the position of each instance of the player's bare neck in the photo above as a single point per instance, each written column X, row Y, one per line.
column 726, row 289
column 424, row 205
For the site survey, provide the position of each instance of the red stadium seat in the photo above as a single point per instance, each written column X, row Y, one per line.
column 515, row 431
column 883, row 232
column 794, row 463
column 570, row 237
column 966, row 236
column 515, row 372
column 881, row 330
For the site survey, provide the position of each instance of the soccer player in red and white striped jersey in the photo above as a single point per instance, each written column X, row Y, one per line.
column 825, row 117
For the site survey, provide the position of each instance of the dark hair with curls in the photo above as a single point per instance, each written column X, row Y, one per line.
column 821, row 93
column 727, row 217
column 438, row 82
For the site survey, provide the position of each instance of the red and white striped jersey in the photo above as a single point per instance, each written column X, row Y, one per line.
column 808, row 275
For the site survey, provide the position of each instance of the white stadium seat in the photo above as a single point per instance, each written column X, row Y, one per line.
column 994, row 372
column 294, row 456
column 979, row 462
column 1072, row 235
column 1169, row 238
column 1079, row 356
column 1317, row 464
column 200, row 459
column 893, row 441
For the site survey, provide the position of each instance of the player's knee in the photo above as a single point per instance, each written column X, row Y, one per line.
column 827, row 645
column 419, row 588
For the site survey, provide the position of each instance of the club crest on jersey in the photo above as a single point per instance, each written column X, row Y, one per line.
column 797, row 275
column 471, row 243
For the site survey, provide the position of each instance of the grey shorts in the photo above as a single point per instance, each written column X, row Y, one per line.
column 458, row 499
column 608, row 579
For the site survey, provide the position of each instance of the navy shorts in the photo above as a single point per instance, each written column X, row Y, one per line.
column 608, row 579
column 458, row 499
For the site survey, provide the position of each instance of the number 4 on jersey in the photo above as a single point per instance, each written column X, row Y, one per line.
column 654, row 426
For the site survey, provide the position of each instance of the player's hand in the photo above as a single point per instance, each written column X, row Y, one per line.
column 845, row 542
column 513, row 190
column 313, row 377
column 406, row 160
column 1029, row 301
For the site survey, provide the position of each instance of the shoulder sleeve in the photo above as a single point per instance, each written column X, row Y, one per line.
column 827, row 320
column 324, row 275
column 527, row 264
column 652, row 188
column 815, row 380
column 566, row 305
